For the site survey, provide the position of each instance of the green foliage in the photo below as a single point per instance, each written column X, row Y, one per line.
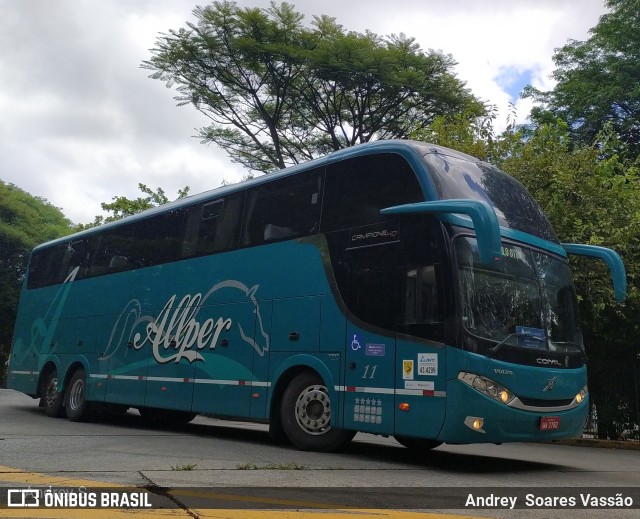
column 122, row 206
column 25, row 221
column 597, row 80
column 471, row 134
column 278, row 92
column 591, row 195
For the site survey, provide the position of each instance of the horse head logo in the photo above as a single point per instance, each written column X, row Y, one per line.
column 250, row 294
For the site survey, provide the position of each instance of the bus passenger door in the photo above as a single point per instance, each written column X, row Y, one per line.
column 370, row 289
column 420, row 355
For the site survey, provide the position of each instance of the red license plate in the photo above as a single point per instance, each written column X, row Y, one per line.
column 550, row 423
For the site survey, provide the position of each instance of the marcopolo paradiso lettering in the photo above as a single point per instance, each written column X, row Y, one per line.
column 178, row 332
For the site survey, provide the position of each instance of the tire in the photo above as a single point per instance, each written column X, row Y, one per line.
column 75, row 402
column 417, row 444
column 52, row 400
column 276, row 432
column 305, row 412
column 166, row 417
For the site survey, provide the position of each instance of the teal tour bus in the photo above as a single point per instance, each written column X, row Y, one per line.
column 396, row 288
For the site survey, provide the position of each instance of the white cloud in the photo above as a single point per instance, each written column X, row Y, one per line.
column 81, row 121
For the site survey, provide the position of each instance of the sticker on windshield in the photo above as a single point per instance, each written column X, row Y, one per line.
column 531, row 337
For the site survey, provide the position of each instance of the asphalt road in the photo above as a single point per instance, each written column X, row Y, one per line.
column 215, row 458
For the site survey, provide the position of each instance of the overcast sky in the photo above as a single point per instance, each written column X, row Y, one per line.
column 81, row 122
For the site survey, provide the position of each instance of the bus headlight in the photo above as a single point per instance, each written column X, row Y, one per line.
column 486, row 387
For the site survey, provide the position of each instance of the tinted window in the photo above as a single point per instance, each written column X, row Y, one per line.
column 213, row 226
column 52, row 265
column 395, row 282
column 514, row 206
column 283, row 209
column 356, row 190
column 112, row 251
column 157, row 240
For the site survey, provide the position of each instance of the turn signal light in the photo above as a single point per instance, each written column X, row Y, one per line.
column 404, row 406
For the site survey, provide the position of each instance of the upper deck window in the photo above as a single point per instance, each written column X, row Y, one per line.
column 356, row 189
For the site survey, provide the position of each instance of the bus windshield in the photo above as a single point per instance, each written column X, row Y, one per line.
column 459, row 178
column 530, row 302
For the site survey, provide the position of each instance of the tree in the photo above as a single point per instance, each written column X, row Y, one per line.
column 278, row 93
column 25, row 221
column 597, row 80
column 122, row 206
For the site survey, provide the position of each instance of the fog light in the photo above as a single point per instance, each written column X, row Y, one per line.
column 582, row 395
column 475, row 423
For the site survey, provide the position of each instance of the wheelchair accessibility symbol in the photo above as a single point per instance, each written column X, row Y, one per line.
column 355, row 344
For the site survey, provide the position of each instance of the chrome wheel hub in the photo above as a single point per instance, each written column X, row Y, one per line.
column 313, row 410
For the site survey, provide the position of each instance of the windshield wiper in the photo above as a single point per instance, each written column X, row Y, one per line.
column 494, row 349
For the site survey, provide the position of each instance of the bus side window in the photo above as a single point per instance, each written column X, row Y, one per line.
column 356, row 189
column 213, row 226
column 45, row 265
column 157, row 240
column 425, row 301
column 283, row 209
column 112, row 250
column 75, row 255
column 53, row 265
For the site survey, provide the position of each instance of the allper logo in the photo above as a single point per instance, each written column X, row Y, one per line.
column 179, row 332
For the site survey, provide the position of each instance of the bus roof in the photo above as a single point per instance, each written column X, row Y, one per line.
column 408, row 148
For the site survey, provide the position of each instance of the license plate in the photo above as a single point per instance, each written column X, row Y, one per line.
column 550, row 423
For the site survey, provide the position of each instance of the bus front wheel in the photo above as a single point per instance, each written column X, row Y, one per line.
column 75, row 401
column 306, row 415
column 52, row 400
column 417, row 444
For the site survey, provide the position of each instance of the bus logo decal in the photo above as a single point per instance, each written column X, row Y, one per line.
column 177, row 328
column 551, row 384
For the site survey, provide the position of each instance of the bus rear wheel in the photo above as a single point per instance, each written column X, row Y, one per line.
column 306, row 415
column 75, row 402
column 417, row 444
column 52, row 400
